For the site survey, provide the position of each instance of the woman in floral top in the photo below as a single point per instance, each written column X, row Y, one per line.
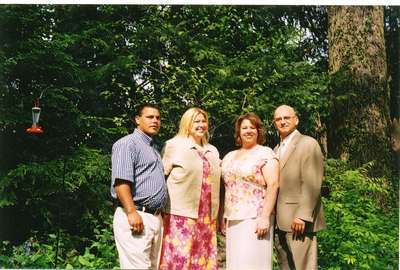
column 250, row 176
column 193, row 169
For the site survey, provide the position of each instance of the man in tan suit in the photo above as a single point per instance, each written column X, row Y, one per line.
column 299, row 212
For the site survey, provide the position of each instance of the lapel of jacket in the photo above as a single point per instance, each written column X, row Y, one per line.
column 191, row 145
column 290, row 150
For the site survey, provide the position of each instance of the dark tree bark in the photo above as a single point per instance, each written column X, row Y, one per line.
column 359, row 127
column 392, row 32
column 392, row 28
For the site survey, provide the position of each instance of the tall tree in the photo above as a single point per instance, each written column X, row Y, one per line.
column 359, row 85
column 392, row 32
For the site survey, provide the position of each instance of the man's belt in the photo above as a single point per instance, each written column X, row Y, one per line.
column 144, row 209
column 148, row 210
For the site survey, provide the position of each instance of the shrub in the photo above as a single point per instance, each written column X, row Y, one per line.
column 41, row 253
column 72, row 192
column 362, row 233
column 362, row 220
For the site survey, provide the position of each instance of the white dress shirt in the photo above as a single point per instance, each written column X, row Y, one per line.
column 283, row 145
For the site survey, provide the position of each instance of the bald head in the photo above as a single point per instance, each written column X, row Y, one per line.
column 286, row 108
column 285, row 120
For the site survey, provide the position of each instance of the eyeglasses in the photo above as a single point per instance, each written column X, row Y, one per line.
column 285, row 118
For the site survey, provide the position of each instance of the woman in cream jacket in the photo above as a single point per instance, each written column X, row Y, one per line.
column 192, row 166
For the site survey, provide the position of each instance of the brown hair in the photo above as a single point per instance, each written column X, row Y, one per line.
column 256, row 121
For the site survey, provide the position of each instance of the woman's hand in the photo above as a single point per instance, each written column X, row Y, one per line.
column 222, row 226
column 263, row 226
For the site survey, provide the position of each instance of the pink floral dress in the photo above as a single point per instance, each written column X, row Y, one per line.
column 244, row 183
column 192, row 243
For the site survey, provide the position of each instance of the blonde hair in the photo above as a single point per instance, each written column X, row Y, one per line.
column 186, row 123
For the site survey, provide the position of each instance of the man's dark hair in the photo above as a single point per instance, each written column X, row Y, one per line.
column 140, row 107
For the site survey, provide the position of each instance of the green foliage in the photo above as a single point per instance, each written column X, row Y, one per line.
column 77, row 186
column 253, row 66
column 362, row 220
column 94, row 64
column 360, row 211
column 40, row 252
column 100, row 253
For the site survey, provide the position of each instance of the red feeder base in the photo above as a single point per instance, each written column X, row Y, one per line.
column 35, row 130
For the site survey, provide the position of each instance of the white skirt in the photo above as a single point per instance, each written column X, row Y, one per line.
column 244, row 250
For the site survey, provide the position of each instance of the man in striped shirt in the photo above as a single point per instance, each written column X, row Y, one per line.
column 139, row 185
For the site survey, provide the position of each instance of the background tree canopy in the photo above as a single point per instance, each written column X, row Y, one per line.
column 94, row 64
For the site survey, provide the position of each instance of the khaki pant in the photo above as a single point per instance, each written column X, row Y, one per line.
column 296, row 253
column 138, row 251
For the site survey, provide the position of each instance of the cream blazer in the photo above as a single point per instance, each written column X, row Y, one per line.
column 184, row 170
column 300, row 179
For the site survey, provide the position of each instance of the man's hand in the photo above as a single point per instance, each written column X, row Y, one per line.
column 136, row 222
column 298, row 226
column 124, row 194
column 263, row 226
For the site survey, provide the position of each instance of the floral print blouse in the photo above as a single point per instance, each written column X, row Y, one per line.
column 245, row 187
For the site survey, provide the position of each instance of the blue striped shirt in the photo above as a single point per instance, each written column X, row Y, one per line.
column 135, row 159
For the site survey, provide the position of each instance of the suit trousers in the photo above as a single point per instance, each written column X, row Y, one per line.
column 296, row 253
column 138, row 251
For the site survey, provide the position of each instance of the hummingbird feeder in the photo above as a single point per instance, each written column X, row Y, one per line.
column 35, row 129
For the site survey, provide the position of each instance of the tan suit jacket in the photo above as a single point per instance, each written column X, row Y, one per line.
column 301, row 173
column 184, row 169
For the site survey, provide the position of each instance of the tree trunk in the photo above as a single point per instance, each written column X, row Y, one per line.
column 393, row 51
column 359, row 129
